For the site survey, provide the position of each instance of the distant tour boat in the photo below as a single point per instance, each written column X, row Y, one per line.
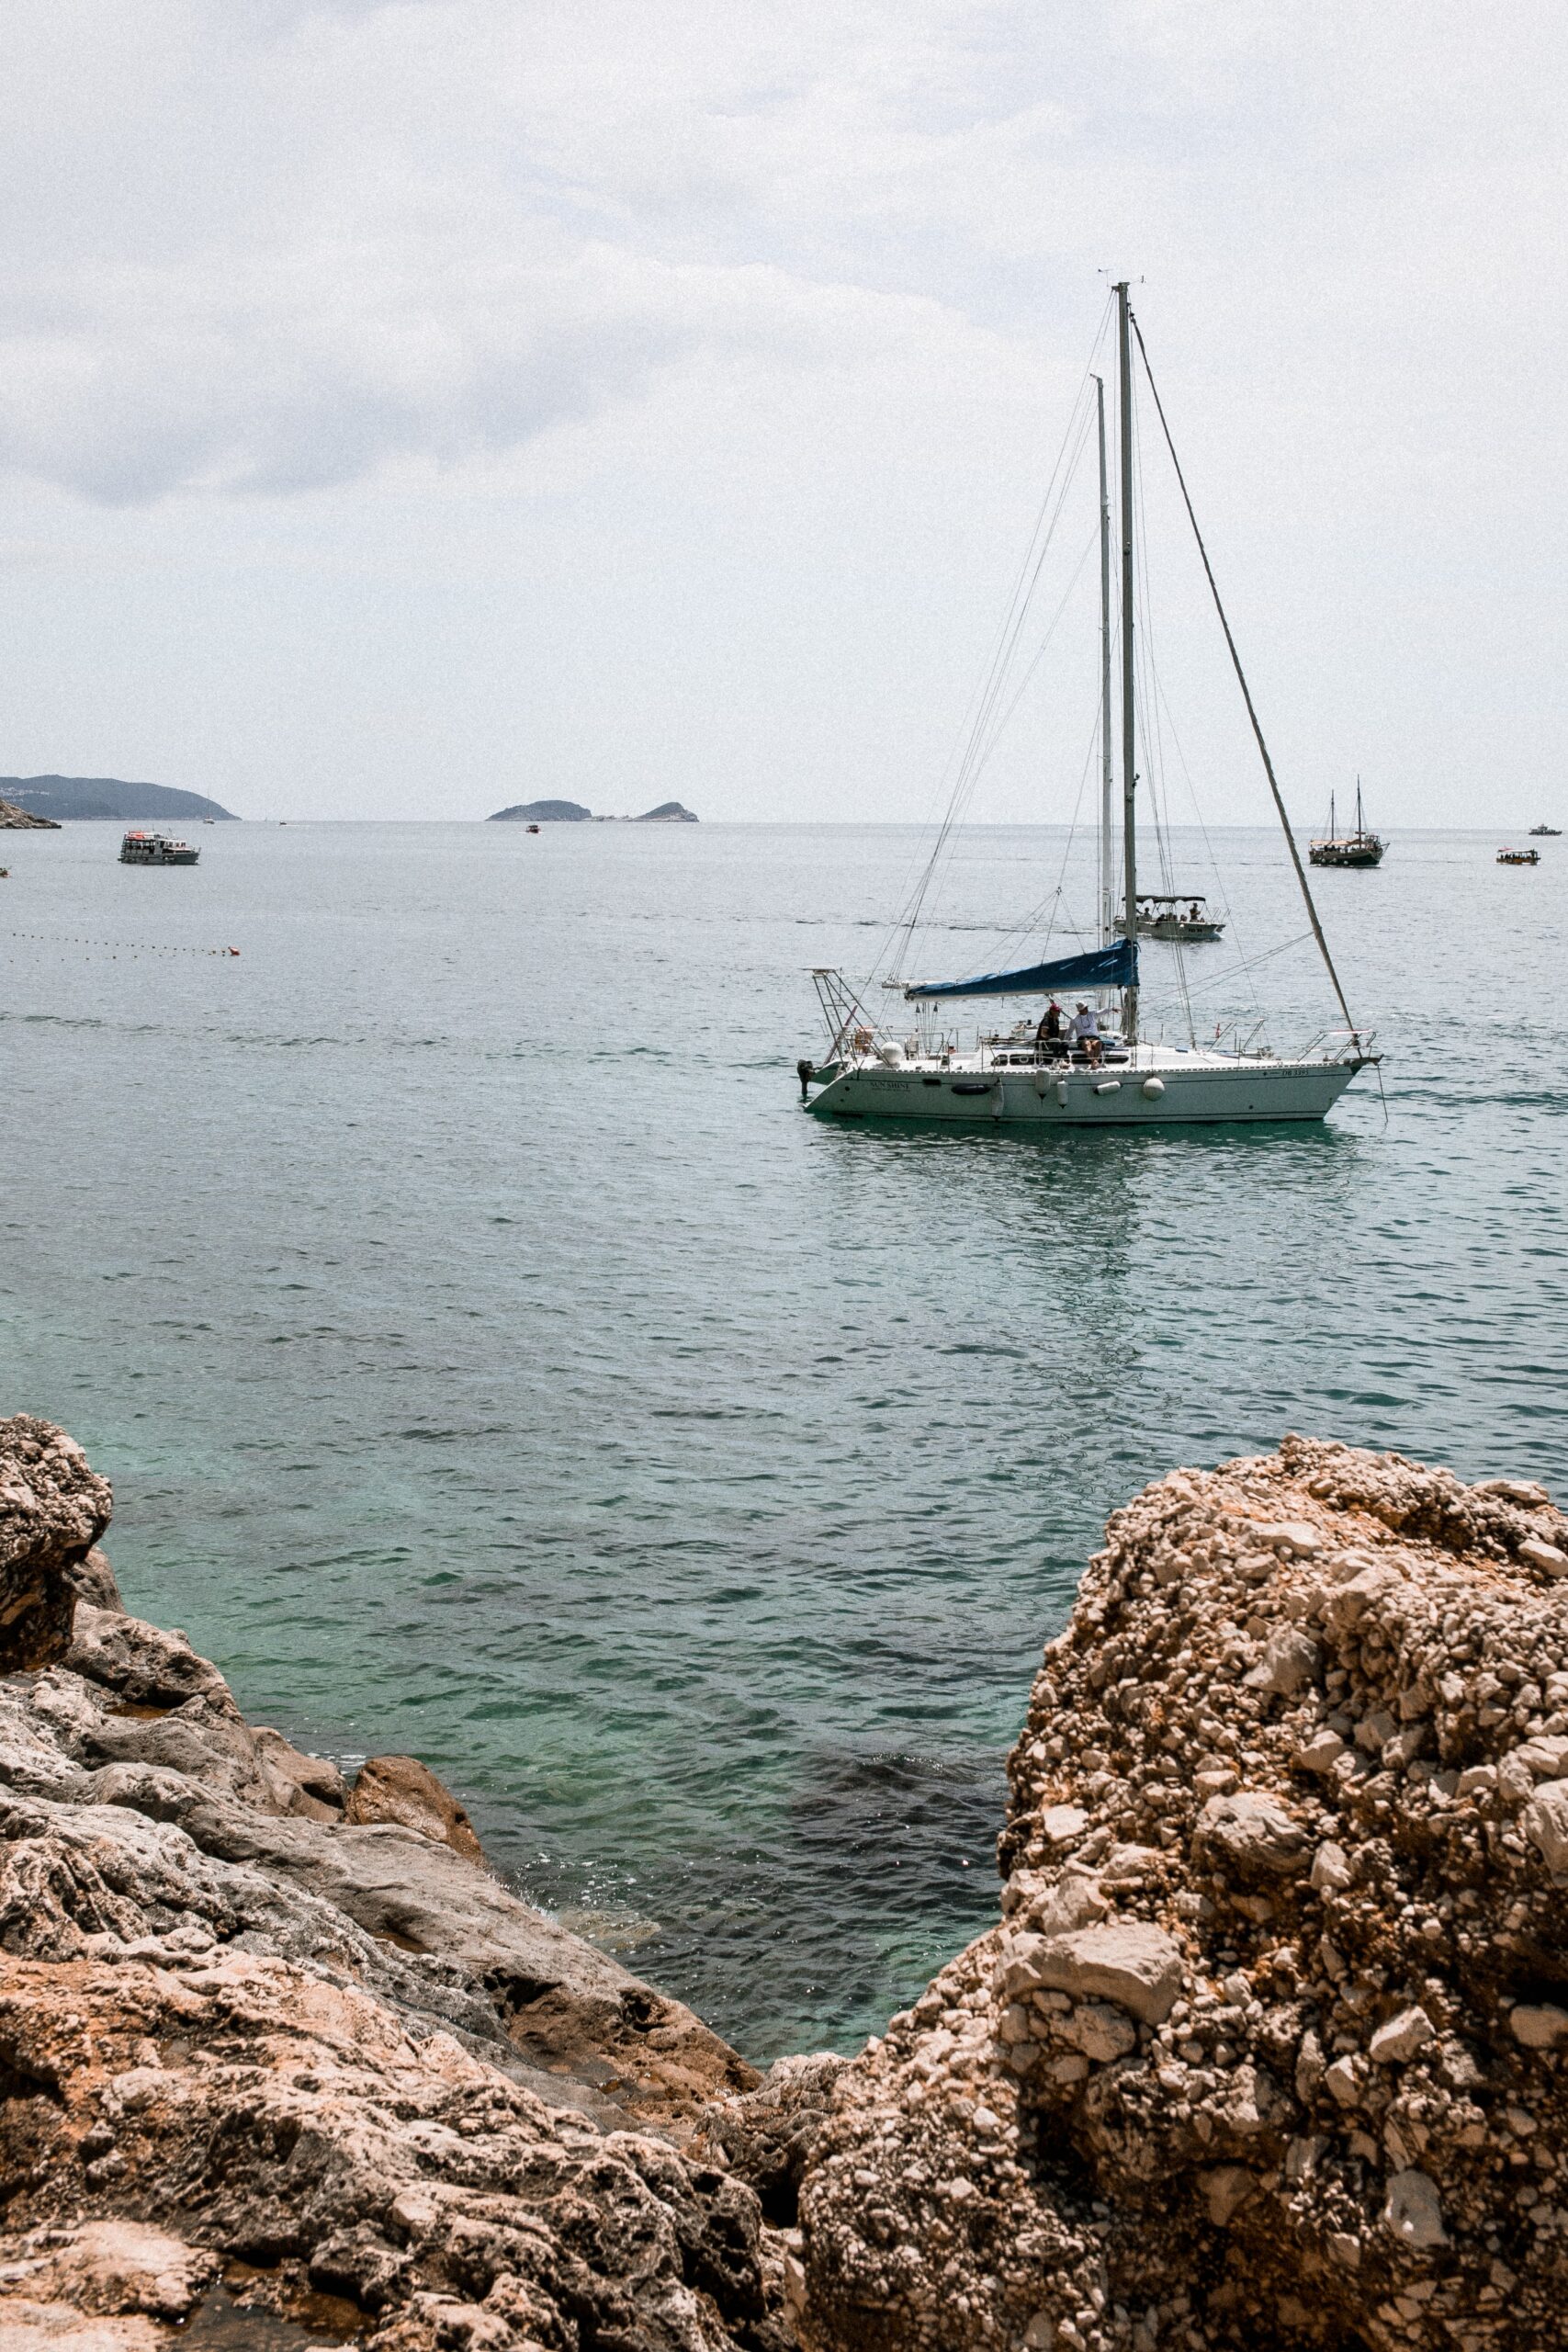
column 156, row 848
column 1176, row 915
column 1546, row 833
column 1519, row 857
column 1360, row 848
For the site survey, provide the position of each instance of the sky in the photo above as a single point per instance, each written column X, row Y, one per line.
column 409, row 409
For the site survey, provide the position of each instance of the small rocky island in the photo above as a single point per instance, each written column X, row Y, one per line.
column 15, row 819
column 570, row 812
column 1266, row 2053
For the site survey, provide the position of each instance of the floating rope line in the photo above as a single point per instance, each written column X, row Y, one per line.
column 118, row 946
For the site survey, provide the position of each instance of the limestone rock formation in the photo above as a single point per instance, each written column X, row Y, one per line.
column 1269, row 2051
column 93, row 1580
column 14, row 819
column 52, row 1511
column 249, row 2046
column 769, row 2134
column 399, row 1788
column 324, row 2147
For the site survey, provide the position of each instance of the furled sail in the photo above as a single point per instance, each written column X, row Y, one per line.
column 1101, row 967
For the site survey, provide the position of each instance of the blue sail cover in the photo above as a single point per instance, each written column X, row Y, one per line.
column 1103, row 968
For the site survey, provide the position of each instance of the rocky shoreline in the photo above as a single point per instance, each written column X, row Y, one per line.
column 1266, row 2053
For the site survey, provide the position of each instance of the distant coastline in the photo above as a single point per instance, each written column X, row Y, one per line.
column 65, row 799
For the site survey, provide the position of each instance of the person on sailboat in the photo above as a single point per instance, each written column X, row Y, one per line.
column 1086, row 1031
column 1050, row 1030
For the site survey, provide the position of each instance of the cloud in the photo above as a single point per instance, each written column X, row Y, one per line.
column 272, row 250
column 736, row 344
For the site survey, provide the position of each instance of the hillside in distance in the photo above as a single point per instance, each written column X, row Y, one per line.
column 543, row 812
column 65, row 797
column 571, row 813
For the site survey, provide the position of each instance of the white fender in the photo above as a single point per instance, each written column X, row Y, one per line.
column 1154, row 1087
column 1109, row 1086
column 1062, row 1092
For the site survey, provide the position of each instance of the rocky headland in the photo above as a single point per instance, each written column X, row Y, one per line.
column 95, row 798
column 15, row 819
column 1266, row 2050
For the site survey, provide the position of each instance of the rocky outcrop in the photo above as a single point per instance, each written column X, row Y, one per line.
column 399, row 1788
column 321, row 2148
column 22, row 820
column 251, row 2045
column 52, row 1511
column 768, row 2135
column 1269, row 2050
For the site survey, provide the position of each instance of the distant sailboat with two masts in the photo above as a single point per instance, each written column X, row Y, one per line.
column 1360, row 848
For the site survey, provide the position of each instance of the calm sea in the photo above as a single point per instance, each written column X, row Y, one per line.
column 494, row 1363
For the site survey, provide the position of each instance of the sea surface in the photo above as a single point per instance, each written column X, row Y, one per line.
column 492, row 1362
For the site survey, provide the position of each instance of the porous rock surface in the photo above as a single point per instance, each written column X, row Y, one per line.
column 1269, row 2050
column 52, row 1511
column 250, row 2111
column 399, row 1788
column 249, row 2045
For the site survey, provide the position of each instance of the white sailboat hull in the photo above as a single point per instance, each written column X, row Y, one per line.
column 1159, row 1088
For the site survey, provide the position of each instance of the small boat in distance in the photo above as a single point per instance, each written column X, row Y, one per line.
column 156, row 848
column 1176, row 915
column 1546, row 833
column 1519, row 857
column 1360, row 848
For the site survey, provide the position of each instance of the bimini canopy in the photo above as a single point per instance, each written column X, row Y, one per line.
column 1103, row 968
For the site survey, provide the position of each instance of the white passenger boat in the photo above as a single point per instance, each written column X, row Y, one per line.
column 1098, row 1069
column 155, row 849
column 1179, row 917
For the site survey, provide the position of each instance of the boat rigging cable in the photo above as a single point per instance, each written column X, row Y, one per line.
column 1246, row 694
column 983, row 732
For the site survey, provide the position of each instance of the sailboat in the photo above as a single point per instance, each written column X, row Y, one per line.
column 1360, row 848
column 1096, row 1069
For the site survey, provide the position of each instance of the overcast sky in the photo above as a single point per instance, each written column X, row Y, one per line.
column 409, row 409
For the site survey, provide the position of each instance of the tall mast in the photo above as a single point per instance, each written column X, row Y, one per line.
column 1106, row 765
column 1129, row 732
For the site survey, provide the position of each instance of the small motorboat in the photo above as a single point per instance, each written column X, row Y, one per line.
column 533, row 828
column 1546, row 833
column 1519, row 857
column 156, row 848
column 1180, row 916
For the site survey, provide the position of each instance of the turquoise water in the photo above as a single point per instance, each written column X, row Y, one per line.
column 492, row 1362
